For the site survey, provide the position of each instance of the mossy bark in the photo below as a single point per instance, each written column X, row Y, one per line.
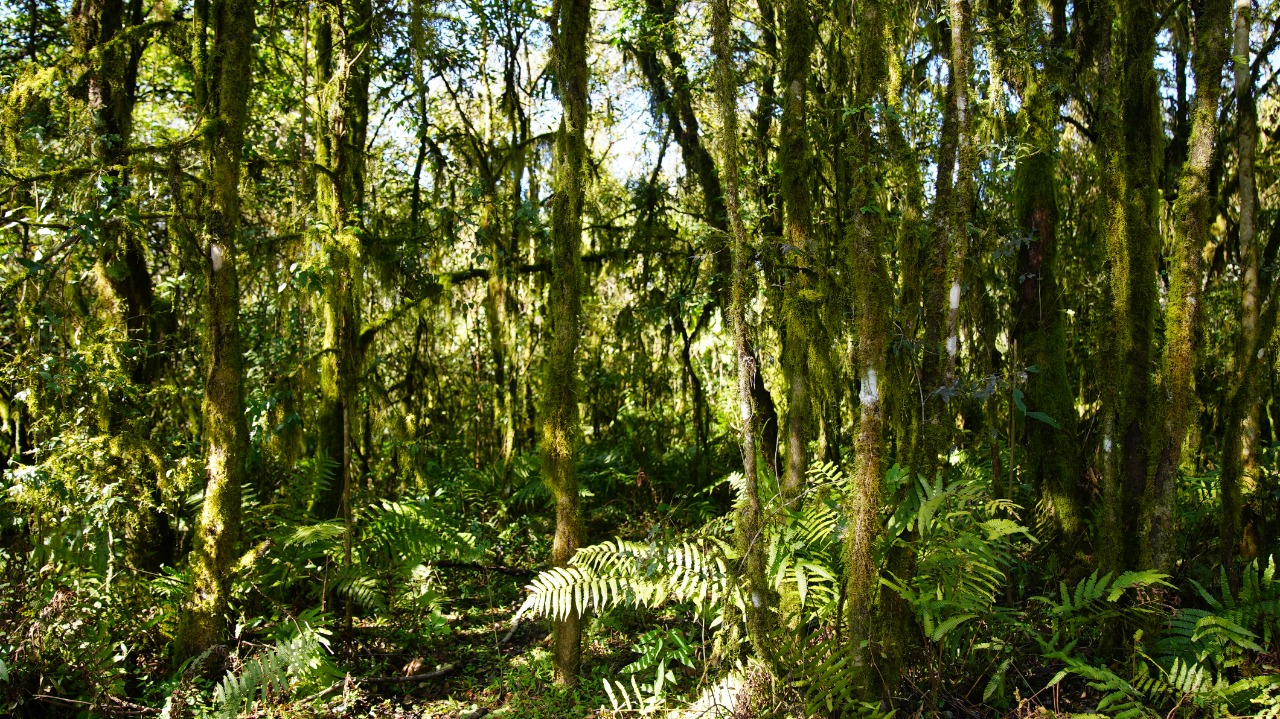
column 342, row 37
column 570, row 24
column 1241, row 411
column 1053, row 453
column 1130, row 152
column 938, row 263
column 1192, row 213
column 873, row 297
column 226, row 82
column 966, row 165
column 761, row 602
column 800, row 293
column 123, row 280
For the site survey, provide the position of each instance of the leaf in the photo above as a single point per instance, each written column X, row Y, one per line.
column 1044, row 418
column 1019, row 399
column 945, row 627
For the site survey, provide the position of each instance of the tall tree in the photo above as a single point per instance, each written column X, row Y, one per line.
column 761, row 602
column 110, row 59
column 223, row 77
column 942, row 278
column 873, row 308
column 1258, row 302
column 570, row 24
column 672, row 94
column 1053, row 458
column 799, row 309
column 1129, row 145
column 342, row 36
column 1193, row 214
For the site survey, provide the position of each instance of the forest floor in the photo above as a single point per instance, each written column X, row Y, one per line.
column 490, row 677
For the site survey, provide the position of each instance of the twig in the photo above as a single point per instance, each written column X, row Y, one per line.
column 125, row 708
column 442, row 671
column 509, row 571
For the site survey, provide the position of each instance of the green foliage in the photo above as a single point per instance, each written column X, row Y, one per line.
column 298, row 662
column 1205, row 658
column 962, row 548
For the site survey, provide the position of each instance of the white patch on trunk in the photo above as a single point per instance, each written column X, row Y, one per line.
column 955, row 295
column 215, row 256
column 756, row 601
column 1261, row 352
column 1106, row 444
column 869, row 394
column 746, row 412
column 952, row 345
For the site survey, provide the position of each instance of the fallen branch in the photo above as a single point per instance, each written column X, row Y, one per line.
column 442, row 671
column 121, row 708
column 515, row 624
column 476, row 566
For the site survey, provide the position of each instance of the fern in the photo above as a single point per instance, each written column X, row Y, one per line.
column 961, row 548
column 1095, row 599
column 294, row 663
column 622, row 573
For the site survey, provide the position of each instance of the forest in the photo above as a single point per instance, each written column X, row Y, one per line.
column 612, row 358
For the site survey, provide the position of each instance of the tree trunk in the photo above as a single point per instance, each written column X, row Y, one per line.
column 225, row 79
column 342, row 74
column 570, row 24
column 873, row 297
column 1241, row 411
column 761, row 605
column 121, row 268
column 1192, row 212
column 934, row 432
column 798, row 307
column 1129, row 145
column 1039, row 326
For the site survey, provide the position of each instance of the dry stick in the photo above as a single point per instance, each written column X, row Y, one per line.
column 442, row 671
column 125, row 708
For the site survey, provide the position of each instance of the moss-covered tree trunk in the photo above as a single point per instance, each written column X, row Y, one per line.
column 761, row 602
column 873, row 298
column 1053, row 455
column 224, row 78
column 1241, row 410
column 123, row 278
column 1192, row 218
column 966, row 165
column 939, row 280
column 1129, row 145
column 342, row 38
column 798, row 309
column 570, row 24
